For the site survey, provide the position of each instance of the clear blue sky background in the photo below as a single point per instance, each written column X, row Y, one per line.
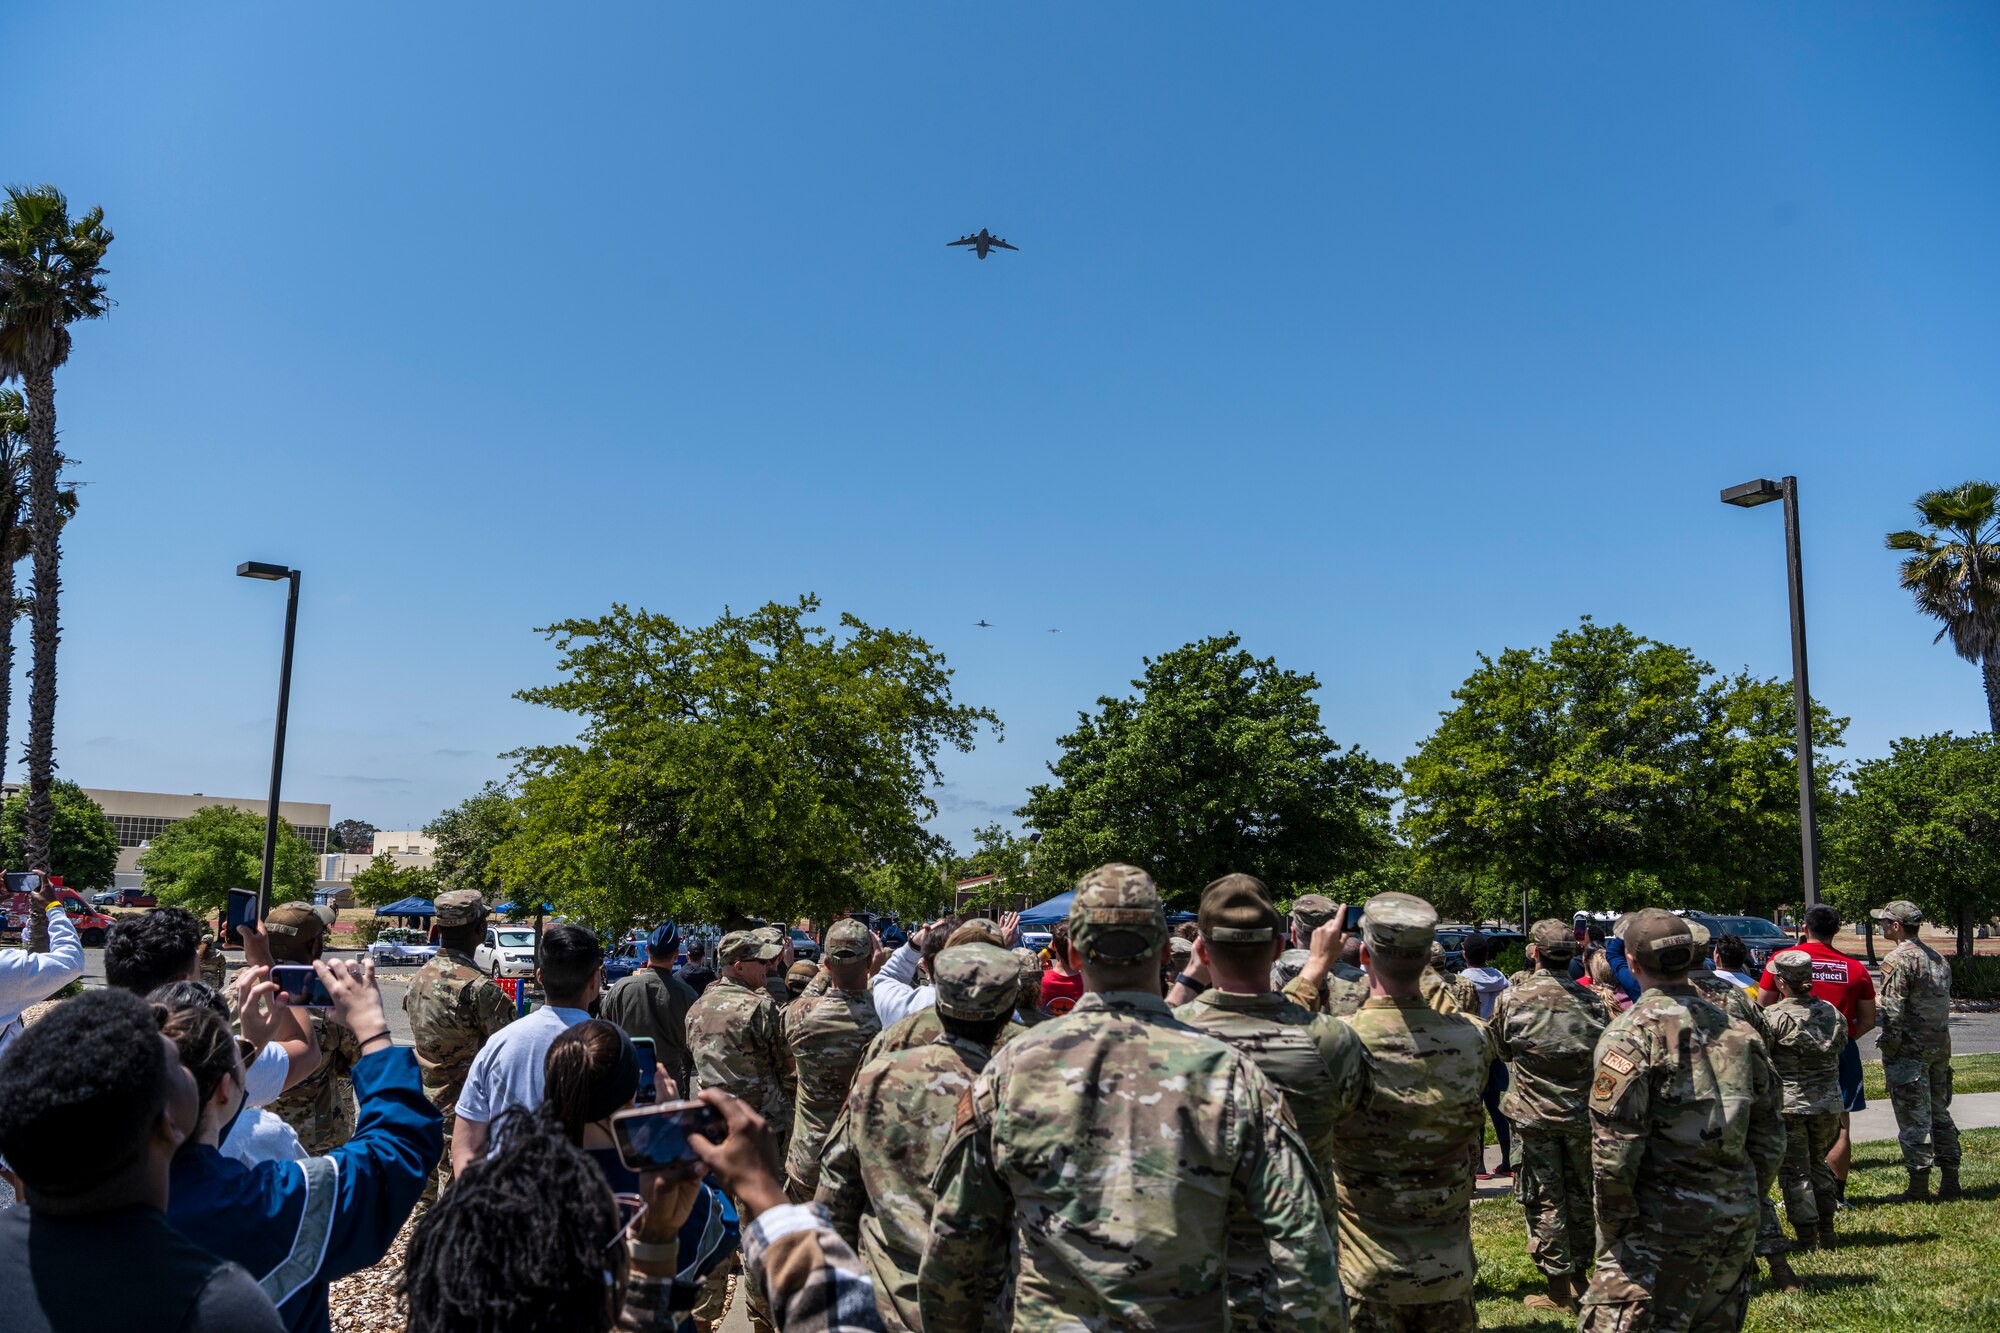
column 1382, row 336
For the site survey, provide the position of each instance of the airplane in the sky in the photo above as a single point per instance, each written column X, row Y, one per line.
column 982, row 625
column 983, row 242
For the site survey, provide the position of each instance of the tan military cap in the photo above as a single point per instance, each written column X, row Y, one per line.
column 1794, row 965
column 979, row 930
column 460, row 907
column 1553, row 939
column 847, row 939
column 1658, row 940
column 1180, row 951
column 294, row 928
column 1312, row 911
column 977, row 981
column 740, row 946
column 1116, row 915
column 1902, row 910
column 799, row 975
column 773, row 935
column 1237, row 909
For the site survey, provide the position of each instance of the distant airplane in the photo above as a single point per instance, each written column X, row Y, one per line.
column 1055, row 631
column 982, row 625
column 983, row 242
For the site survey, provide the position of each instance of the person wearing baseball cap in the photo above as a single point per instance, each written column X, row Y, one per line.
column 320, row 1107
column 1916, row 1051
column 1806, row 1035
column 1158, row 1092
column 828, row 1029
column 653, row 1003
column 1673, row 1197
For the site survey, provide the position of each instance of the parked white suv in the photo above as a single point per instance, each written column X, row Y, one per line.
column 507, row 951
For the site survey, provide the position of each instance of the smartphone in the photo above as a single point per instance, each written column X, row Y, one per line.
column 1352, row 921
column 23, row 881
column 301, row 986
column 649, row 1087
column 242, row 911
column 654, row 1138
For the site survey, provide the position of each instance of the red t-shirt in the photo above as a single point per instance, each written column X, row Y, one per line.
column 1839, row 980
column 1060, row 992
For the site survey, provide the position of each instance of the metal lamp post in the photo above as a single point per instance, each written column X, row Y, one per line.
column 257, row 569
column 1748, row 496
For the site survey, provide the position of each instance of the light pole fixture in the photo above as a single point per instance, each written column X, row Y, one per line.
column 257, row 569
column 1748, row 496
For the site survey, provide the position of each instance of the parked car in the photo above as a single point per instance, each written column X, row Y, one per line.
column 1037, row 940
column 804, row 946
column 108, row 898
column 1763, row 937
column 135, row 898
column 399, row 944
column 624, row 960
column 90, row 923
column 507, row 951
column 1453, row 938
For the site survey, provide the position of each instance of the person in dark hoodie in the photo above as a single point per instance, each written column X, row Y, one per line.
column 298, row 1225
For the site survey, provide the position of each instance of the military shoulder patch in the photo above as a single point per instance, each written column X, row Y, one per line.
column 1618, row 1063
column 1604, row 1087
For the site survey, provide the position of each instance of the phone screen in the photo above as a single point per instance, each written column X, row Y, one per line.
column 649, row 1091
column 23, row 881
column 242, row 909
column 301, row 986
column 1353, row 922
column 656, row 1137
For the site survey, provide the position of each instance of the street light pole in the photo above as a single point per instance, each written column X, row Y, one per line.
column 1748, row 496
column 253, row 569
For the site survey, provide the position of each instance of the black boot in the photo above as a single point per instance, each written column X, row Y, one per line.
column 1948, row 1183
column 1919, row 1190
column 1826, row 1233
column 1782, row 1275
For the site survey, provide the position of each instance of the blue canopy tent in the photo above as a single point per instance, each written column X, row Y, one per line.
column 1043, row 915
column 408, row 907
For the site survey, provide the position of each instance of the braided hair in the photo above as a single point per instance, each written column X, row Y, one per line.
column 517, row 1242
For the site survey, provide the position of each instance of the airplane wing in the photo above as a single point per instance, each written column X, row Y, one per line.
column 1004, row 246
column 963, row 240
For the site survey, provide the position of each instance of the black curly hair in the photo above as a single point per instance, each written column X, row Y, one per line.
column 517, row 1242
column 143, row 953
column 90, row 1076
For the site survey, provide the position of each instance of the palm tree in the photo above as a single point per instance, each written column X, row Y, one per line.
column 16, row 539
column 51, row 276
column 1953, row 571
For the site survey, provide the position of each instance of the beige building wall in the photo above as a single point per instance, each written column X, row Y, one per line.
column 141, row 816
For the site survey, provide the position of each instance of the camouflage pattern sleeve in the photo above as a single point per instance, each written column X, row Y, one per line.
column 1282, row 1191
column 1496, row 1022
column 493, row 1008
column 965, row 1262
column 1892, row 999
column 1303, row 994
column 1346, row 1061
column 1765, row 1139
column 346, row 1051
column 842, row 1192
column 781, row 1048
column 1621, row 1105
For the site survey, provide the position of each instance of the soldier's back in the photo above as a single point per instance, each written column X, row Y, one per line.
column 1805, row 1036
column 1917, row 978
column 1546, row 1027
column 1731, row 999
column 828, row 1034
column 320, row 1109
column 922, row 1029
column 453, row 1007
column 736, row 1036
column 1314, row 1061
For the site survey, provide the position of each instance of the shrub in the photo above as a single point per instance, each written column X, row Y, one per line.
column 1512, row 959
column 1975, row 978
column 365, row 931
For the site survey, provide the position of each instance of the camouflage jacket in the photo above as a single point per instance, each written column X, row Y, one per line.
column 321, row 1107
column 818, row 986
column 884, row 1149
column 453, row 1009
column 828, row 1033
column 1403, row 1158
column 1686, row 1121
column 738, row 1040
column 1114, row 1145
column 1448, row 995
column 1915, row 999
column 1337, row 997
column 1731, row 999
column 1546, row 1027
column 921, row 1029
column 1805, row 1038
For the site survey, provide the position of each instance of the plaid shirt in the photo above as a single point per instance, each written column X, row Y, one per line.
column 815, row 1283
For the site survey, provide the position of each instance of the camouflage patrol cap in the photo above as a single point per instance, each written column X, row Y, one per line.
column 1553, row 939
column 1116, row 915
column 293, row 929
column 773, row 935
column 1312, row 910
column 1795, row 966
column 1658, row 941
column 1700, row 932
column 979, row 930
column 740, row 946
column 977, row 981
column 800, row 975
column 847, row 940
column 460, row 907
column 1399, row 921
column 1237, row 909
column 1181, row 951
column 1902, row 910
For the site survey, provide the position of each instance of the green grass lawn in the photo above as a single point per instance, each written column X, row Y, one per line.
column 1897, row 1268
column 1969, row 1073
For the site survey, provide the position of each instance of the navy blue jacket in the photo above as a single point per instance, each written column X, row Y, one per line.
column 1621, row 970
column 299, row 1225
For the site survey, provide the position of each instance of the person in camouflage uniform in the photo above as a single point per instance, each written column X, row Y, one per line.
column 1687, row 1130
column 320, row 1107
column 887, row 1143
column 1110, row 1148
column 453, row 1008
column 1344, row 988
column 922, row 1027
column 1028, row 1002
column 1403, row 1160
column 1915, row 1017
column 1546, row 1027
column 828, row 1033
column 737, row 1034
column 1314, row 1061
column 1806, row 1036
column 1443, row 991
column 214, row 966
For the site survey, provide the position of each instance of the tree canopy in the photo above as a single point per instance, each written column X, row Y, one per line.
column 1952, row 571
column 196, row 861
column 352, row 835
column 83, row 845
column 382, row 882
column 1612, row 771
column 1218, row 763
column 468, row 835
column 1922, row 824
column 758, row 763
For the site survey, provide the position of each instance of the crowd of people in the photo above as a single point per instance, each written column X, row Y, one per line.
column 1274, row 1120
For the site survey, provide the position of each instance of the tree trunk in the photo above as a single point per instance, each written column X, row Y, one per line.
column 1868, row 936
column 1990, row 668
column 43, row 464
column 1965, row 931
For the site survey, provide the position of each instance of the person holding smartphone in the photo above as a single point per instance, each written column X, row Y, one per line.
column 29, row 978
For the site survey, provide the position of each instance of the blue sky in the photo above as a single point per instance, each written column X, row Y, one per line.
column 1381, row 336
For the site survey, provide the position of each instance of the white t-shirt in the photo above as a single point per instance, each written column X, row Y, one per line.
column 1738, row 978
column 264, row 1080
column 507, row 1072
column 258, row 1136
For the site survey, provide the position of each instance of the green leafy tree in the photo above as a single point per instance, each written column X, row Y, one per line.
column 196, row 861
column 51, row 276
column 382, row 882
column 351, row 835
column 83, row 844
column 1218, row 763
column 16, row 537
column 1922, row 824
column 469, row 835
column 999, row 853
column 758, row 764
column 1953, row 572
column 1611, row 771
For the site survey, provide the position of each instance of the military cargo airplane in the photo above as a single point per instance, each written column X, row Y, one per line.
column 983, row 242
